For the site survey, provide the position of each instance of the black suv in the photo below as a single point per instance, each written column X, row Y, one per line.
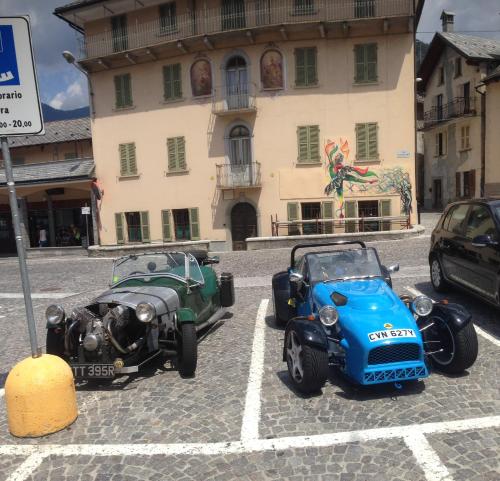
column 465, row 249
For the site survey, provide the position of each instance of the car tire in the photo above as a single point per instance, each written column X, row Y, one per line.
column 277, row 319
column 437, row 278
column 313, row 363
column 188, row 350
column 54, row 343
column 460, row 347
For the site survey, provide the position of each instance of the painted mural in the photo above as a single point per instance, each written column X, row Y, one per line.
column 271, row 69
column 201, row 78
column 346, row 177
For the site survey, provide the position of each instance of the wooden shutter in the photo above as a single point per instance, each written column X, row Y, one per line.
column 458, row 190
column 122, row 148
column 172, row 151
column 384, row 207
column 176, row 154
column 303, row 146
column 371, row 62
column 167, row 82
column 311, row 67
column 145, row 227
column 177, row 81
column 181, row 153
column 165, row 223
column 300, row 67
column 361, row 141
column 132, row 162
column 314, row 143
column 120, row 235
column 350, row 207
column 292, row 209
column 372, row 141
column 128, row 162
column 327, row 213
column 127, row 90
column 118, row 91
column 472, row 183
column 359, row 63
column 194, row 223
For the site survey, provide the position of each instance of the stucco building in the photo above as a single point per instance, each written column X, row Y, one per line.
column 455, row 118
column 212, row 117
column 53, row 174
column 492, row 140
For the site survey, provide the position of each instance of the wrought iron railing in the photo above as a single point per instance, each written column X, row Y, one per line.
column 339, row 226
column 458, row 107
column 234, row 98
column 230, row 176
column 254, row 14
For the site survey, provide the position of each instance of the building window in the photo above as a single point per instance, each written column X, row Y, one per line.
column 305, row 67
column 364, row 8
column 132, row 227
column 439, row 107
column 123, row 91
column 367, row 141
column 70, row 155
column 440, row 75
column 233, row 14
column 308, row 144
column 128, row 162
column 185, row 223
column 119, row 34
column 469, row 184
column 441, row 147
column 303, row 7
column 466, row 96
column 18, row 161
column 458, row 67
column 168, row 18
column 310, row 211
column 465, row 137
column 365, row 63
column 172, row 82
column 176, row 148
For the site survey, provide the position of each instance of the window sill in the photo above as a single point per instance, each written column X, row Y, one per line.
column 129, row 177
column 308, row 164
column 272, row 89
column 169, row 173
column 465, row 150
column 202, row 97
column 367, row 83
column 304, row 13
column 312, row 86
column 172, row 101
column 120, row 109
column 368, row 161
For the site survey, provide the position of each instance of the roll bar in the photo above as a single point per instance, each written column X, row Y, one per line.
column 321, row 244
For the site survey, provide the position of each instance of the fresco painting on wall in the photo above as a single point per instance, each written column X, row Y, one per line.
column 271, row 68
column 357, row 179
column 201, row 78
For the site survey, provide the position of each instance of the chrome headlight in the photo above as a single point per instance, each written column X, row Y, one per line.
column 422, row 306
column 54, row 314
column 145, row 312
column 328, row 315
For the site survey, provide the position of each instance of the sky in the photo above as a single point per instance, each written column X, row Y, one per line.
column 63, row 86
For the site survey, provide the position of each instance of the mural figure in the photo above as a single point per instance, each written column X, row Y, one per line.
column 271, row 70
column 340, row 172
column 397, row 180
column 201, row 78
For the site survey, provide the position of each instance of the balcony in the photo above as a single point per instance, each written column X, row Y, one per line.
column 458, row 107
column 239, row 98
column 242, row 176
column 252, row 14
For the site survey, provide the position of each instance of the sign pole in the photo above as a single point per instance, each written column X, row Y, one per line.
column 21, row 253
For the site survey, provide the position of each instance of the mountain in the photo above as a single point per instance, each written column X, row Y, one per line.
column 50, row 113
column 420, row 52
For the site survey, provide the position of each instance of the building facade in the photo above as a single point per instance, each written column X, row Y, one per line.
column 53, row 174
column 213, row 118
column 454, row 114
column 492, row 141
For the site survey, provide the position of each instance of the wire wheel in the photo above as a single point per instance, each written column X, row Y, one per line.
column 440, row 340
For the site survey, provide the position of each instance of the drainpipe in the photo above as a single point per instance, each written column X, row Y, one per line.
column 483, row 138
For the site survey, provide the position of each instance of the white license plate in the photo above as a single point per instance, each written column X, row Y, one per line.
column 93, row 371
column 390, row 334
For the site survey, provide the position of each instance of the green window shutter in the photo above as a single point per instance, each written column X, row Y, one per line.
column 120, row 237
column 181, row 153
column 314, row 143
column 176, row 147
column 327, row 213
column 177, row 81
column 172, row 157
column 128, row 162
column 371, row 62
column 123, row 91
column 123, row 159
column 359, row 63
column 127, row 89
column 365, row 63
column 385, row 211
column 165, row 222
column 361, row 141
column 372, row 141
column 350, row 212
column 145, row 227
column 167, row 82
column 292, row 209
column 308, row 144
column 194, row 223
column 118, row 92
column 311, row 67
column 300, row 67
column 302, row 140
column 132, row 162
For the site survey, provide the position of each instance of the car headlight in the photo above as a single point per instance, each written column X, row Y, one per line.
column 54, row 314
column 145, row 312
column 422, row 306
column 328, row 315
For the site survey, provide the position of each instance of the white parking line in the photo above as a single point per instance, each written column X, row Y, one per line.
column 427, row 458
column 251, row 415
column 35, row 295
column 27, row 467
column 2, row 393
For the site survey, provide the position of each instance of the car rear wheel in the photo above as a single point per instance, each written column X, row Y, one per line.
column 188, row 350
column 307, row 366
column 453, row 351
column 437, row 279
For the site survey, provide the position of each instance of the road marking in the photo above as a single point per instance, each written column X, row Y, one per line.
column 427, row 458
column 251, row 414
column 2, row 393
column 28, row 467
column 34, row 295
column 480, row 331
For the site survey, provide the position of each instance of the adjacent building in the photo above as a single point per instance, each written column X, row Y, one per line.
column 492, row 140
column 213, row 118
column 53, row 174
column 456, row 121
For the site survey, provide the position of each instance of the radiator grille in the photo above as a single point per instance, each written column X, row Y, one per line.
column 394, row 353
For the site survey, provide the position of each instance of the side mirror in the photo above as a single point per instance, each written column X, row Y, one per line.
column 211, row 260
column 483, row 241
column 296, row 282
column 393, row 268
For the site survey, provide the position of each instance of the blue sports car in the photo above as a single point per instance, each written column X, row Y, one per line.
column 340, row 310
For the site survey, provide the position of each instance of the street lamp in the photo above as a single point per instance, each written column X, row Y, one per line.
column 70, row 58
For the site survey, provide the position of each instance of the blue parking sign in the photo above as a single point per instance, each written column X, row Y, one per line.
column 9, row 74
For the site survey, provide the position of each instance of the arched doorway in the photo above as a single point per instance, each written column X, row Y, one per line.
column 236, row 83
column 243, row 224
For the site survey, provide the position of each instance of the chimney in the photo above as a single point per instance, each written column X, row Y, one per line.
column 447, row 20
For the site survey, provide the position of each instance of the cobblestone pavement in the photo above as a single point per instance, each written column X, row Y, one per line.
column 157, row 426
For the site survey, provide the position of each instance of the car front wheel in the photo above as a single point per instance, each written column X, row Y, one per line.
column 54, row 343
column 188, row 350
column 437, row 279
column 307, row 366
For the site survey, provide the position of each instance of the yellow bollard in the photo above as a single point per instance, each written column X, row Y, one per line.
column 40, row 396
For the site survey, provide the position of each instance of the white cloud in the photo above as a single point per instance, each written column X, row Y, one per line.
column 74, row 96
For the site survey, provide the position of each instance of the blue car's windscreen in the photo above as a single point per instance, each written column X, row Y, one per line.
column 343, row 264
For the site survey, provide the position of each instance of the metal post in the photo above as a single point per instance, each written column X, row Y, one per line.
column 21, row 253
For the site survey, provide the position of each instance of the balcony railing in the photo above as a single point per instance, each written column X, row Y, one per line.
column 458, row 107
column 231, row 176
column 253, row 14
column 234, row 98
